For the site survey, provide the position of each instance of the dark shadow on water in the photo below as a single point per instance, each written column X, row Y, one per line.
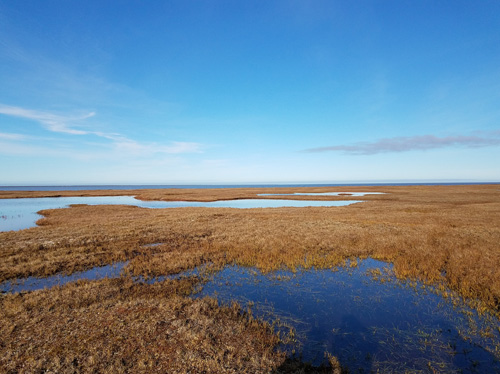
column 297, row 366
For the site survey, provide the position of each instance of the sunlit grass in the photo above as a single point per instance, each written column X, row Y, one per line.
column 444, row 236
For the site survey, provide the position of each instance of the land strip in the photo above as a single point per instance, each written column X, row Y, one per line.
column 197, row 194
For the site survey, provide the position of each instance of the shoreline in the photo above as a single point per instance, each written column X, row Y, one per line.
column 233, row 193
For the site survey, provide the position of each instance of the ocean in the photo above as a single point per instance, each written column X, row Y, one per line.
column 206, row 186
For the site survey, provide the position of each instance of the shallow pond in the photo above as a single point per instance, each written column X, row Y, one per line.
column 17, row 214
column 366, row 317
column 34, row 283
column 356, row 194
column 371, row 325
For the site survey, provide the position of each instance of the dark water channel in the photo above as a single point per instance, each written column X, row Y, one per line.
column 371, row 321
column 18, row 214
column 34, row 283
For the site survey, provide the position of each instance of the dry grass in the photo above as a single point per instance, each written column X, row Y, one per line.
column 445, row 234
column 195, row 194
column 440, row 234
column 115, row 326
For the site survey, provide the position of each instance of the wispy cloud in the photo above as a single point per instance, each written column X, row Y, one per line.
column 52, row 122
column 11, row 136
column 73, row 125
column 412, row 143
column 133, row 147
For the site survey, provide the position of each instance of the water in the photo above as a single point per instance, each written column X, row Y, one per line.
column 356, row 194
column 17, row 214
column 158, row 186
column 371, row 324
column 205, row 186
column 33, row 283
column 114, row 270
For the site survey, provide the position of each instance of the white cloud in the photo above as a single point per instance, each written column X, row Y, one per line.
column 11, row 136
column 52, row 122
column 131, row 146
column 71, row 124
column 411, row 143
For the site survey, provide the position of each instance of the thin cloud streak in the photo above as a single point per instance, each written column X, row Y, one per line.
column 411, row 143
column 51, row 122
column 11, row 136
column 66, row 125
column 133, row 147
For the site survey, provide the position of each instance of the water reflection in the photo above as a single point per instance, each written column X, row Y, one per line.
column 356, row 194
column 372, row 324
column 17, row 214
column 34, row 283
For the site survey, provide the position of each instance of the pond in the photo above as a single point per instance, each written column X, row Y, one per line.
column 362, row 314
column 34, row 283
column 366, row 317
column 17, row 214
column 356, row 194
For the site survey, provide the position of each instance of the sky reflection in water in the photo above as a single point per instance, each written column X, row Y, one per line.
column 355, row 194
column 17, row 214
column 368, row 324
column 34, row 283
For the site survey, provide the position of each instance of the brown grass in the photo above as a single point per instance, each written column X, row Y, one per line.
column 439, row 234
column 115, row 326
column 445, row 234
column 199, row 194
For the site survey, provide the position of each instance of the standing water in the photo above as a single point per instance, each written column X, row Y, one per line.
column 371, row 321
column 372, row 324
column 17, row 214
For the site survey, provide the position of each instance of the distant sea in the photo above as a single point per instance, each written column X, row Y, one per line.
column 206, row 186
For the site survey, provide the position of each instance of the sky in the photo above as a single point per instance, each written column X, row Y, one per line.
column 214, row 92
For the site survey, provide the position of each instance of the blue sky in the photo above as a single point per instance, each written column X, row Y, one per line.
column 167, row 92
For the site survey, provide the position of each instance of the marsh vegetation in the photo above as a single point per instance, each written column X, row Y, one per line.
column 18, row 214
column 446, row 237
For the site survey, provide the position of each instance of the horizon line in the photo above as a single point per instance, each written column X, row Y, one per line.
column 390, row 181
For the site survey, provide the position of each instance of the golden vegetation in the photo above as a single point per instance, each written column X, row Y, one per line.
column 445, row 234
column 439, row 234
column 196, row 194
column 117, row 325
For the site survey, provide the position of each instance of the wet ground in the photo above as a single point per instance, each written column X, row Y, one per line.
column 362, row 314
column 367, row 318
